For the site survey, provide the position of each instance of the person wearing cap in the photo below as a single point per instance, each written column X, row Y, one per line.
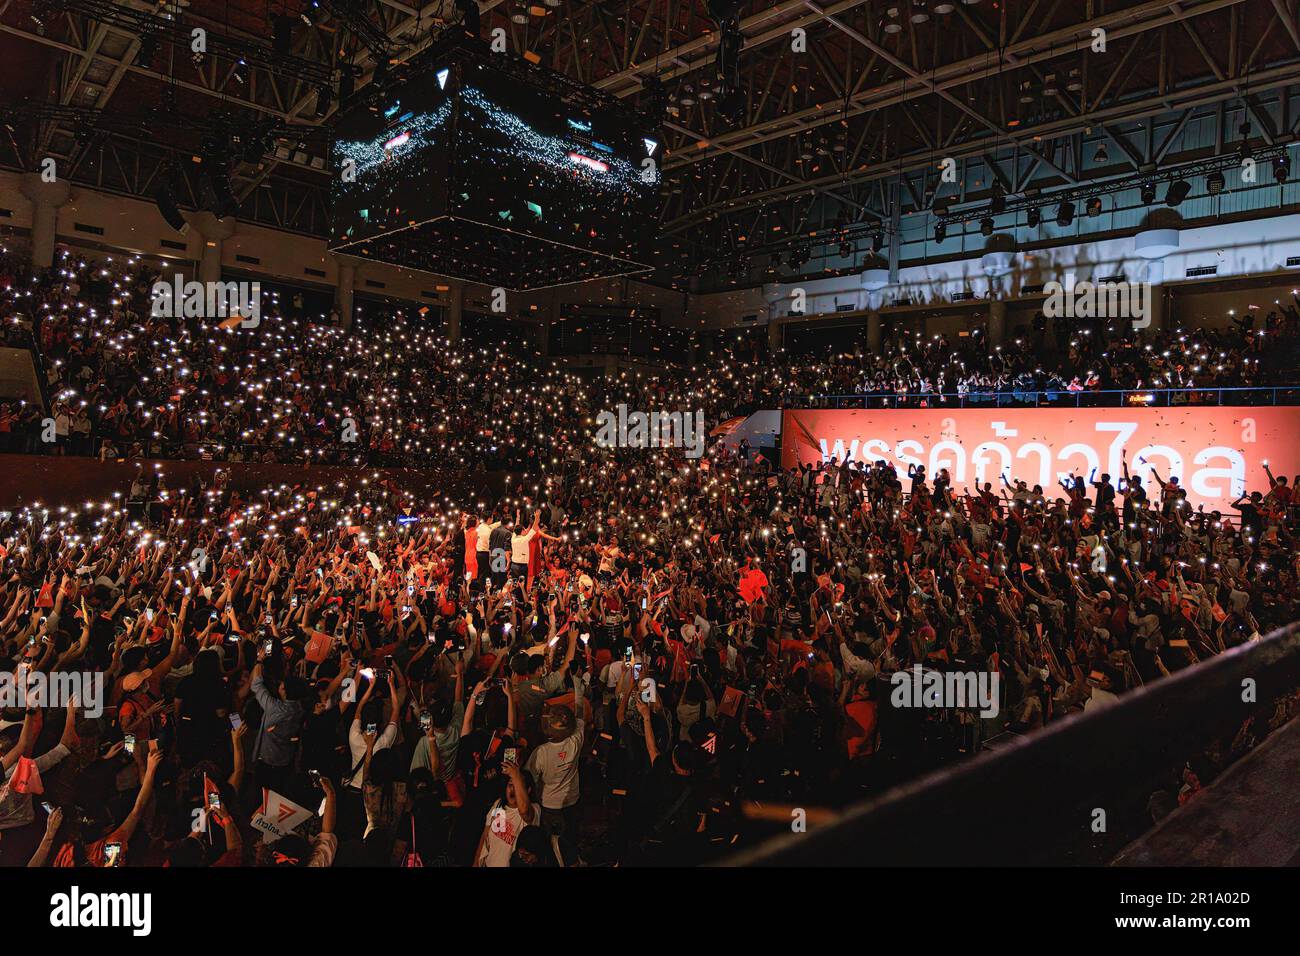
column 554, row 765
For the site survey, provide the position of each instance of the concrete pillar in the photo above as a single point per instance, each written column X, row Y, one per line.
column 775, row 335
column 997, row 330
column 1154, row 245
column 46, row 198
column 213, row 232
column 343, row 292
column 875, row 332
column 455, row 311
column 1155, row 277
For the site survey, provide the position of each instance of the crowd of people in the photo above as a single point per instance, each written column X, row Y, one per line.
column 614, row 666
column 123, row 383
column 617, row 657
column 1104, row 365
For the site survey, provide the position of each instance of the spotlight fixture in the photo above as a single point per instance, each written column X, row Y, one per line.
column 986, row 226
column 846, row 249
column 1148, row 193
column 998, row 201
column 893, row 26
column 1214, row 183
column 1065, row 213
column 1101, row 156
column 1093, row 206
column 940, row 232
column 877, row 242
column 1033, row 216
column 1177, row 192
column 919, row 13
column 1281, row 168
column 944, row 7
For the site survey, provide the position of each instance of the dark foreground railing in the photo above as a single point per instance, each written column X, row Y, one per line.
column 1074, row 793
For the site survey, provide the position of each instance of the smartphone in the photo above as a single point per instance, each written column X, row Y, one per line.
column 47, row 806
column 636, row 671
column 388, row 662
column 314, row 777
column 627, row 654
column 510, row 756
column 112, row 851
column 148, row 614
column 426, row 721
column 129, row 742
column 372, row 728
column 293, row 601
column 236, row 722
column 214, row 801
column 267, row 619
column 643, row 600
column 268, row 647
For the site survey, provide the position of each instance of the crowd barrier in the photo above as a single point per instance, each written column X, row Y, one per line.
column 1075, row 792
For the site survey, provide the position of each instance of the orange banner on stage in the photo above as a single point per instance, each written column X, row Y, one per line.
column 1215, row 452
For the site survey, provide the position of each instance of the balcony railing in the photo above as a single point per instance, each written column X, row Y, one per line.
column 1055, row 398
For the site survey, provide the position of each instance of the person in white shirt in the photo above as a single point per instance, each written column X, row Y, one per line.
column 483, row 534
column 554, row 765
column 506, row 819
column 519, row 545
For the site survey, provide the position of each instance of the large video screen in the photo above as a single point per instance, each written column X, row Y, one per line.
column 391, row 162
column 467, row 143
column 526, row 161
column 1215, row 452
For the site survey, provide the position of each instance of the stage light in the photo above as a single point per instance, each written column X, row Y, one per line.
column 1214, row 183
column 1281, row 168
column 1033, row 217
column 1100, row 156
column 998, row 202
column 877, row 242
column 986, row 226
column 846, row 249
column 1093, row 206
column 1177, row 192
column 940, row 232
column 1065, row 213
column 442, row 77
column 1148, row 193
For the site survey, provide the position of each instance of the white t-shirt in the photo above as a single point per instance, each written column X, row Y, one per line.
column 519, row 546
column 484, row 532
column 555, row 768
column 504, row 825
column 357, row 744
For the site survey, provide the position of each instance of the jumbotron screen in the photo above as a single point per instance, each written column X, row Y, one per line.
column 494, row 179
